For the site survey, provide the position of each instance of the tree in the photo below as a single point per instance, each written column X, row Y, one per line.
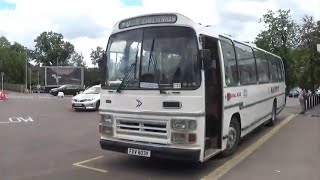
column 52, row 50
column 12, row 61
column 96, row 56
column 4, row 42
column 310, row 36
column 280, row 37
column 77, row 60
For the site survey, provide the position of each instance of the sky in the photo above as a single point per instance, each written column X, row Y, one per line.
column 87, row 24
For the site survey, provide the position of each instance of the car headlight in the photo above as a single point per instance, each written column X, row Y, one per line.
column 85, row 100
column 183, row 124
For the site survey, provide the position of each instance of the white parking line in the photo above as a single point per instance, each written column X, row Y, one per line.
column 80, row 164
column 4, row 122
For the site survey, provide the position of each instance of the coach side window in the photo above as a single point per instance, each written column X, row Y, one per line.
column 262, row 66
column 246, row 63
column 280, row 69
column 273, row 68
column 230, row 64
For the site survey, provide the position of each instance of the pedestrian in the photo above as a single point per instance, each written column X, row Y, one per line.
column 301, row 97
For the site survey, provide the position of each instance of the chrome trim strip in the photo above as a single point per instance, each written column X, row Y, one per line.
column 193, row 114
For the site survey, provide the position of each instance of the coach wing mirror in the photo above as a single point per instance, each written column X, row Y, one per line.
column 103, row 59
column 204, row 56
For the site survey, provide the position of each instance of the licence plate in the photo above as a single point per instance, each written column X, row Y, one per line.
column 139, row 152
column 77, row 104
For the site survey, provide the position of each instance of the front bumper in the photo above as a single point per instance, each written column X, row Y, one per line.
column 192, row 155
column 84, row 105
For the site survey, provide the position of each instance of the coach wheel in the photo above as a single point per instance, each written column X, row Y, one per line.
column 233, row 137
column 273, row 115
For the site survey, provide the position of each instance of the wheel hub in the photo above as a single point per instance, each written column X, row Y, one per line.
column 232, row 136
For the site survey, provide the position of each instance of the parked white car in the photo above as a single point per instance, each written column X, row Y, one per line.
column 89, row 99
column 318, row 91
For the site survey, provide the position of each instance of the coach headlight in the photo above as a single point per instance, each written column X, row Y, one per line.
column 183, row 124
column 105, row 126
column 107, row 119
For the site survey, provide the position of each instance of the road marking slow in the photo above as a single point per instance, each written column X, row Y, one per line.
column 227, row 166
column 18, row 120
column 80, row 164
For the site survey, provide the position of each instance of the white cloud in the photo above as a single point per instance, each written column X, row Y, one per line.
column 87, row 24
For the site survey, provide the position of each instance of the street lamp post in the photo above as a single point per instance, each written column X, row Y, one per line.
column 26, row 85
column 2, row 74
column 30, row 80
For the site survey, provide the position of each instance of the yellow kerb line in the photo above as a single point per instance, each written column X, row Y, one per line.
column 227, row 166
column 80, row 164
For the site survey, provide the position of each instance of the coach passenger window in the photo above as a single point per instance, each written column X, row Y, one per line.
column 262, row 66
column 246, row 63
column 273, row 68
column 279, row 69
column 230, row 65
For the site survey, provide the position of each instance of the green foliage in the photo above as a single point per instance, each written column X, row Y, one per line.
column 77, row 60
column 51, row 49
column 96, row 56
column 12, row 61
column 295, row 44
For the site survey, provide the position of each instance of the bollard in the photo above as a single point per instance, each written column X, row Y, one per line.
column 313, row 100
column 309, row 102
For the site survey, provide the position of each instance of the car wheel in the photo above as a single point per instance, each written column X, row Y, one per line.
column 97, row 106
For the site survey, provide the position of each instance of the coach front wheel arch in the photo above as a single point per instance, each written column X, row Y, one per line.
column 234, row 135
column 273, row 118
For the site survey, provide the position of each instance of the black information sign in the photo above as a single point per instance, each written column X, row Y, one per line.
column 152, row 19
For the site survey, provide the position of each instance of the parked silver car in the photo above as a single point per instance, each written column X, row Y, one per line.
column 89, row 99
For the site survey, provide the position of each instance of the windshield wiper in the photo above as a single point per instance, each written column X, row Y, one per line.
column 125, row 77
column 155, row 66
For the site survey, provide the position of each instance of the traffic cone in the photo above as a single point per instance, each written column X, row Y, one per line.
column 2, row 95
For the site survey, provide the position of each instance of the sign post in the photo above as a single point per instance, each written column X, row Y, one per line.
column 318, row 48
column 2, row 74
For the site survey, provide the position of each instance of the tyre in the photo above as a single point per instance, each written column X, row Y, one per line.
column 233, row 137
column 273, row 118
column 97, row 106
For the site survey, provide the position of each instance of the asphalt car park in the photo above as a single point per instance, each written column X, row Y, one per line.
column 42, row 137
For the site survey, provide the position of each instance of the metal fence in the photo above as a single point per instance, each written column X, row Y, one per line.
column 13, row 87
column 312, row 101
